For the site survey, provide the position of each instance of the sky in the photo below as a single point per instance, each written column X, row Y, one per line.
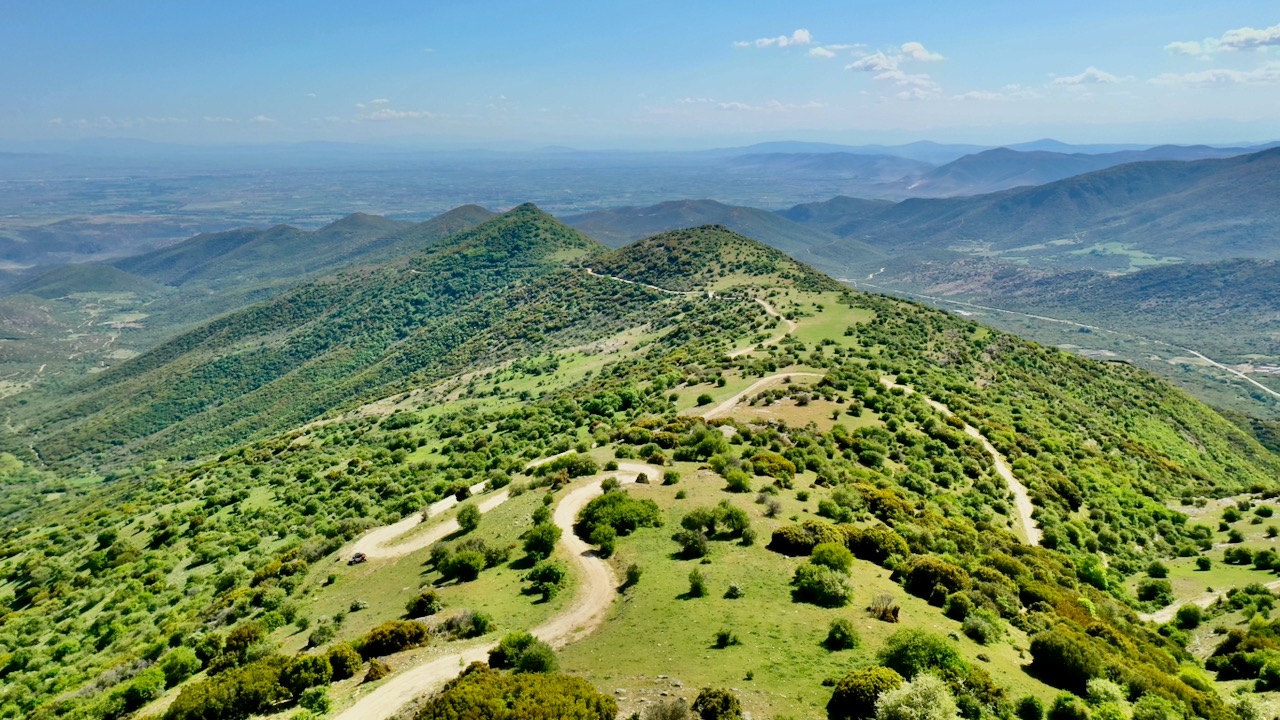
column 639, row 75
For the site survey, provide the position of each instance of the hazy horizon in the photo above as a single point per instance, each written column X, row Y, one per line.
column 642, row 76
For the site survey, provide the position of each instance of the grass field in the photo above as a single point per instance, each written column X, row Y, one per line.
column 656, row 640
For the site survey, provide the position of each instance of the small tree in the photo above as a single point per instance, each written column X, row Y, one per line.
column 697, row 584
column 924, row 698
column 856, row 694
column 1189, row 616
column 469, row 518
column 425, row 603
column 842, row 636
column 717, row 704
column 344, row 661
column 541, row 540
column 306, row 671
column 1030, row 708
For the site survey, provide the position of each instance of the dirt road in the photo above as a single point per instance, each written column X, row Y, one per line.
column 755, row 387
column 791, row 327
column 1165, row 614
column 596, row 590
column 1021, row 500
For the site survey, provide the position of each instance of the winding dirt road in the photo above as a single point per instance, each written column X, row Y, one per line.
column 1165, row 614
column 596, row 592
column 755, row 387
column 791, row 327
column 1021, row 499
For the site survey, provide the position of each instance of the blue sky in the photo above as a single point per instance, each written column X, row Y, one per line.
column 652, row 74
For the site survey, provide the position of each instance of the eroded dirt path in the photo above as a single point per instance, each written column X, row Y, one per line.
column 1021, row 499
column 728, row 405
column 597, row 588
column 1165, row 614
column 791, row 327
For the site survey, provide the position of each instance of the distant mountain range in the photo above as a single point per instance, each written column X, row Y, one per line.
column 1117, row 219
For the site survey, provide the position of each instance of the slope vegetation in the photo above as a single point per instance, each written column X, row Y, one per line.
column 835, row 498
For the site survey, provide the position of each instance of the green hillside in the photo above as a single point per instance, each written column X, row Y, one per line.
column 835, row 486
column 619, row 226
column 1121, row 218
column 87, row 278
column 326, row 343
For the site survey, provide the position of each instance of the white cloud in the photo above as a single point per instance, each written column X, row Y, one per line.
column 1008, row 92
column 380, row 101
column 1268, row 74
column 57, row 121
column 916, row 93
column 217, row 119
column 1091, row 76
column 1190, row 47
column 878, row 62
column 916, row 51
column 916, row 80
column 770, row 106
column 694, row 101
column 799, row 37
column 822, row 52
column 261, row 120
column 984, row 95
column 311, row 95
column 1247, row 38
column 385, row 113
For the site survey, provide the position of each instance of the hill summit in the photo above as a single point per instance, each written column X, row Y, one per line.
column 707, row 257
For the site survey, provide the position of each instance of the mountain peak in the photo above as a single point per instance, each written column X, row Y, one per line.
column 707, row 257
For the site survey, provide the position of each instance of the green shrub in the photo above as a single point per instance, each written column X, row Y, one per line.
column 605, row 539
column 306, row 671
column 717, row 704
column 1063, row 659
column 1159, row 592
column 693, row 544
column 509, row 649
column 983, row 627
column 697, row 584
column 316, row 699
column 856, row 694
column 737, row 481
column 464, row 565
column 377, row 670
column 799, row 540
column 842, row 635
column 832, row 555
column 876, row 544
column 180, row 664
column 481, row 693
column 927, row 574
column 1157, row 569
column 1189, row 616
column 1203, row 563
column 546, row 578
column 468, row 518
column 821, row 585
column 1030, row 708
column 391, row 637
column 912, row 651
column 726, row 638
column 1068, row 707
column 344, row 661
column 537, row 658
column 619, row 511
column 923, row 698
column 540, row 541
column 425, row 603
column 670, row 477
